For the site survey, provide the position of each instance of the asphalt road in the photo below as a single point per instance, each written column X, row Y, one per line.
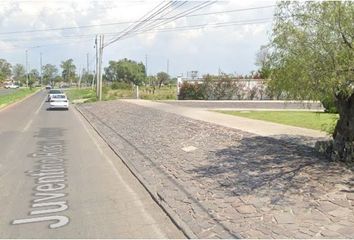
column 58, row 179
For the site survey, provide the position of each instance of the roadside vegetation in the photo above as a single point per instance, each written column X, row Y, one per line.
column 312, row 120
column 123, row 92
column 84, row 94
column 310, row 56
column 15, row 96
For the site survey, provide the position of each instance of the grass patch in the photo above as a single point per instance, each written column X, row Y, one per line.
column 112, row 94
column 15, row 96
column 145, row 92
column 312, row 120
column 87, row 94
column 163, row 93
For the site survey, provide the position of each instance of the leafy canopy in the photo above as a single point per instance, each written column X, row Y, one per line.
column 49, row 73
column 125, row 70
column 69, row 69
column 312, row 53
column 5, row 70
column 19, row 73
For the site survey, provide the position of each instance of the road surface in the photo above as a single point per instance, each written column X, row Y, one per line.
column 59, row 180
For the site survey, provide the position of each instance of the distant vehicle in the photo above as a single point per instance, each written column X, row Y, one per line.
column 65, row 86
column 48, row 87
column 52, row 92
column 59, row 101
column 11, row 86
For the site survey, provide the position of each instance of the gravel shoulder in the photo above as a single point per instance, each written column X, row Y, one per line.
column 222, row 182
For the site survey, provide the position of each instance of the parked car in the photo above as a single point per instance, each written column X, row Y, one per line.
column 11, row 86
column 52, row 92
column 48, row 87
column 59, row 101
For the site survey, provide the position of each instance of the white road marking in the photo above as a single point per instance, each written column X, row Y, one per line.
column 27, row 126
column 116, row 172
column 39, row 108
column 35, row 114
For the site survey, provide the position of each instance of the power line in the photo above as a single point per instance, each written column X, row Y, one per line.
column 180, row 15
column 143, row 19
column 182, row 28
column 140, row 25
column 129, row 22
column 193, row 9
column 91, row 35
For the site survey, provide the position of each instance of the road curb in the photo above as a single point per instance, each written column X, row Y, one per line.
column 186, row 230
column 19, row 101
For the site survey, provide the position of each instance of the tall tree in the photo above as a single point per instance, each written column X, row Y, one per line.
column 162, row 78
column 125, row 70
column 262, row 60
column 312, row 56
column 19, row 73
column 49, row 73
column 68, row 70
column 34, row 76
column 5, row 70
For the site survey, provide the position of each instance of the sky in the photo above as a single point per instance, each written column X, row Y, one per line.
column 220, row 36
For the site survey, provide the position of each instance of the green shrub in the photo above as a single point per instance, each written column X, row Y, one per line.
column 329, row 104
column 189, row 91
column 120, row 85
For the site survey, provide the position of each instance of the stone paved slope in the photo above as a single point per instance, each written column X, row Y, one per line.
column 227, row 183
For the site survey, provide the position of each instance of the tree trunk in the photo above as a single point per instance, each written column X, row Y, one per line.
column 343, row 136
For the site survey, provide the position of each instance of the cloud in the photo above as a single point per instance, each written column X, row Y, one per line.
column 231, row 47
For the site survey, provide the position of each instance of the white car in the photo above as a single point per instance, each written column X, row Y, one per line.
column 11, row 86
column 53, row 92
column 59, row 101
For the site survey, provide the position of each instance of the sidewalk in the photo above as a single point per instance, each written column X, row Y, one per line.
column 258, row 127
column 275, row 105
column 222, row 182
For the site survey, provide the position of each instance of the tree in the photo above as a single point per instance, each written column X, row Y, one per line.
column 58, row 79
column 162, row 77
column 312, row 56
column 69, row 69
column 125, row 70
column 5, row 70
column 262, row 60
column 34, row 75
column 49, row 73
column 19, row 73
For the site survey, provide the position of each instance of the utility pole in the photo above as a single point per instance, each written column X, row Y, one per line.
column 80, row 76
column 87, row 68
column 146, row 64
column 99, row 45
column 27, row 68
column 100, row 65
column 88, row 63
column 168, row 66
column 97, row 73
column 40, row 62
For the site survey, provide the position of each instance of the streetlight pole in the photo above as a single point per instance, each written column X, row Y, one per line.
column 97, row 73
column 100, row 66
column 27, row 68
column 40, row 61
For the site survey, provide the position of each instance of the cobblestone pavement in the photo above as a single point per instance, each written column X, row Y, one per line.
column 279, row 105
column 225, row 183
